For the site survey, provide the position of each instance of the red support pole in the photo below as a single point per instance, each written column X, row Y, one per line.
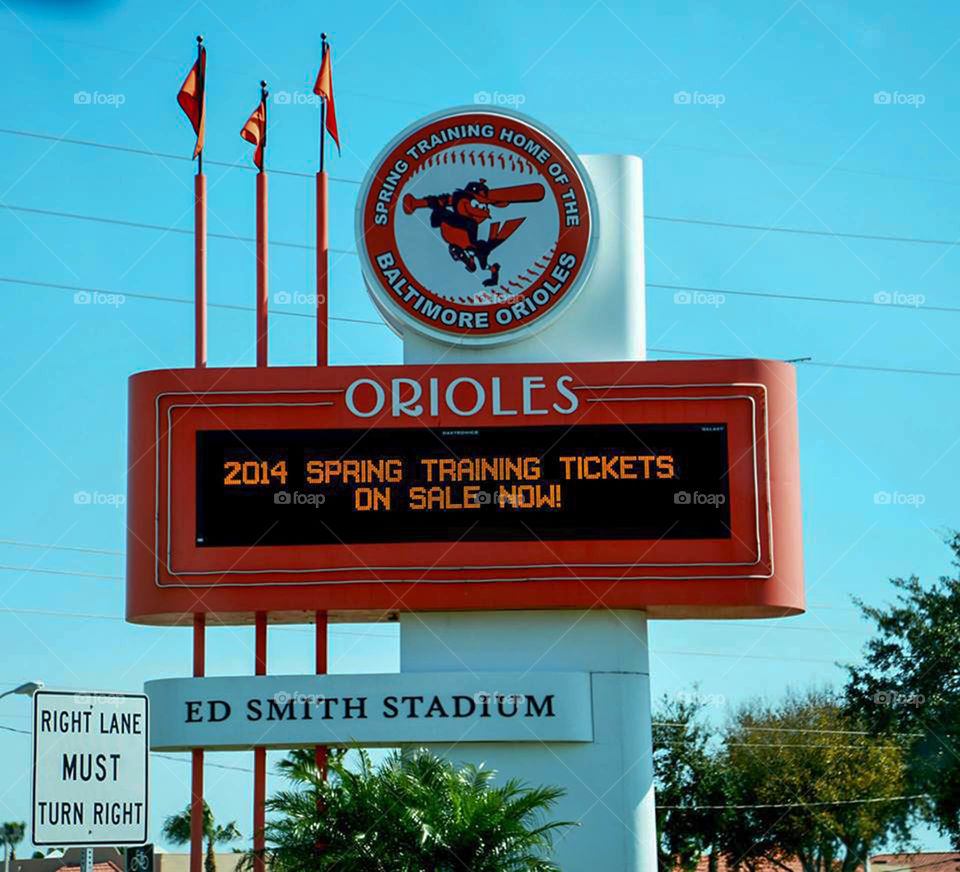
column 200, row 269
column 196, row 784
column 322, row 270
column 321, row 620
column 259, row 754
column 262, row 282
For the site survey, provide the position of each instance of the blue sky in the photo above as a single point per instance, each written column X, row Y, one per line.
column 787, row 125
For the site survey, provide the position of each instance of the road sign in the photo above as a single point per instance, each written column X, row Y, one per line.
column 140, row 859
column 90, row 768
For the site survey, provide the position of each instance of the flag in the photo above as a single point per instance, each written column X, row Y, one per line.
column 255, row 132
column 192, row 97
column 324, row 88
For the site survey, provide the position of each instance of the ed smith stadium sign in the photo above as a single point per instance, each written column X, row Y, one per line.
column 476, row 226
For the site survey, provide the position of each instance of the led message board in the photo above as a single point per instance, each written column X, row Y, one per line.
column 260, row 488
column 669, row 486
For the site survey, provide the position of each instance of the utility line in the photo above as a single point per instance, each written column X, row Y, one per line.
column 700, row 354
column 796, row 804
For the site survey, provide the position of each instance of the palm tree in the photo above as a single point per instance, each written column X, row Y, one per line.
column 176, row 829
column 415, row 812
column 12, row 833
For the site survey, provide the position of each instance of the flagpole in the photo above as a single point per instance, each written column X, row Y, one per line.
column 262, row 286
column 200, row 250
column 322, row 241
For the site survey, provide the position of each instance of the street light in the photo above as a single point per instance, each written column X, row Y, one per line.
column 28, row 688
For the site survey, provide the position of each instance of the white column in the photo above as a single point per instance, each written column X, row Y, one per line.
column 609, row 782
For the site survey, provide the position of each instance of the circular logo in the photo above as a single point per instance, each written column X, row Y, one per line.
column 475, row 227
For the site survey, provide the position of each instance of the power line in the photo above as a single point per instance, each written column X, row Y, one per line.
column 148, row 153
column 700, row 354
column 162, row 299
column 7, row 568
column 165, row 229
column 802, row 232
column 81, row 548
column 665, row 218
column 806, row 299
column 911, row 796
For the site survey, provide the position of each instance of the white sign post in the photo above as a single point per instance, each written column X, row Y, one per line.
column 90, row 768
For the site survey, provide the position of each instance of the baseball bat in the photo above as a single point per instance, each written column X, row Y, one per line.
column 529, row 193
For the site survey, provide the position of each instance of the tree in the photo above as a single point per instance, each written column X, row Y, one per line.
column 806, row 780
column 909, row 682
column 12, row 833
column 415, row 812
column 688, row 780
column 176, row 829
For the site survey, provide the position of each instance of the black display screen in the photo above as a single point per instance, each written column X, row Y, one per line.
column 325, row 487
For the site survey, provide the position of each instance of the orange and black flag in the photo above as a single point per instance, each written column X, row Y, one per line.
column 255, row 130
column 323, row 87
column 192, row 96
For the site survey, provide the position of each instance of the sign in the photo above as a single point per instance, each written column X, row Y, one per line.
column 475, row 227
column 263, row 488
column 666, row 486
column 285, row 711
column 90, row 768
column 139, row 859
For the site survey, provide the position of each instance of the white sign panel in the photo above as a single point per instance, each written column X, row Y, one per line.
column 283, row 711
column 90, row 768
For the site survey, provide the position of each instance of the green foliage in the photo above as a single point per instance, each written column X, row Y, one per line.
column 688, row 778
column 415, row 812
column 798, row 770
column 909, row 686
column 12, row 833
column 176, row 829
